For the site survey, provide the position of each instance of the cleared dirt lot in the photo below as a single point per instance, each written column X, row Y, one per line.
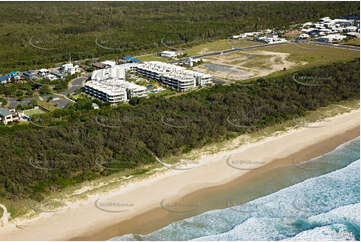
column 242, row 65
column 245, row 65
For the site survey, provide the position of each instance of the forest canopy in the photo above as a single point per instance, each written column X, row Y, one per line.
column 70, row 141
column 43, row 33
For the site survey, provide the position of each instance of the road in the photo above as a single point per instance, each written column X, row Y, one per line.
column 74, row 85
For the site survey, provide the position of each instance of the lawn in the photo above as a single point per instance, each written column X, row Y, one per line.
column 48, row 106
column 152, row 57
column 31, row 112
column 306, row 55
column 354, row 42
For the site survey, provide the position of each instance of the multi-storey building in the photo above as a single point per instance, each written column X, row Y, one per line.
column 173, row 76
column 110, row 85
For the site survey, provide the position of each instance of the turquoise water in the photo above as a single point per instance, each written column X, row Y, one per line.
column 325, row 207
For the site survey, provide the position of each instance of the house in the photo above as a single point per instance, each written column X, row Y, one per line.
column 325, row 19
column 350, row 29
column 307, row 24
column 16, row 75
column 4, row 79
column 189, row 61
column 123, row 61
column 9, row 115
column 43, row 72
column 95, row 106
column 168, row 54
column 130, row 59
column 109, row 64
column 331, row 38
column 353, row 34
column 303, row 36
column 69, row 68
column 30, row 75
column 98, row 65
column 57, row 74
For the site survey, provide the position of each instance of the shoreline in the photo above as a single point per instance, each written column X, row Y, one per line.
column 86, row 221
column 160, row 217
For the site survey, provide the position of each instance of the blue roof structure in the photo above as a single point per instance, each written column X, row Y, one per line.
column 13, row 72
column 129, row 58
column 4, row 78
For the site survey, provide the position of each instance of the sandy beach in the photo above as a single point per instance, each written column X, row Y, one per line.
column 94, row 219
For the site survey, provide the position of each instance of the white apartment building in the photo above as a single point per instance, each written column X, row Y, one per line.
column 106, row 92
column 173, row 76
column 110, row 85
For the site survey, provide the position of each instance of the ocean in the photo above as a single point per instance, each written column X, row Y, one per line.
column 324, row 205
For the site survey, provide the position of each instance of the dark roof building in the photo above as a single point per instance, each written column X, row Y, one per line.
column 99, row 65
column 4, row 79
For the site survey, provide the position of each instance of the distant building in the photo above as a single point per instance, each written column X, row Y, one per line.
column 69, row 68
column 30, row 75
column 303, row 36
column 353, row 34
column 109, row 64
column 130, row 59
column 168, row 54
column 95, row 106
column 270, row 40
column 16, row 75
column 9, row 115
column 57, row 74
column 173, row 76
column 109, row 85
column 331, row 38
column 190, row 61
column 43, row 72
column 105, row 92
column 98, row 65
column 4, row 79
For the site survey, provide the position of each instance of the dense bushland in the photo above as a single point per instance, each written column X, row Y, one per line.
column 43, row 33
column 77, row 143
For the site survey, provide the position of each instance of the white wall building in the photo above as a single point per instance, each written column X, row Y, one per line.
column 9, row 115
column 109, row 63
column 168, row 54
column 303, row 36
column 70, row 69
column 173, row 76
column 111, row 86
column 331, row 38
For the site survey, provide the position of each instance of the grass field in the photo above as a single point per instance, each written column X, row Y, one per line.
column 48, row 106
column 354, row 42
column 313, row 55
column 33, row 111
column 152, row 57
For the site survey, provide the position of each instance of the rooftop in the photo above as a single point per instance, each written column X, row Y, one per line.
column 5, row 112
